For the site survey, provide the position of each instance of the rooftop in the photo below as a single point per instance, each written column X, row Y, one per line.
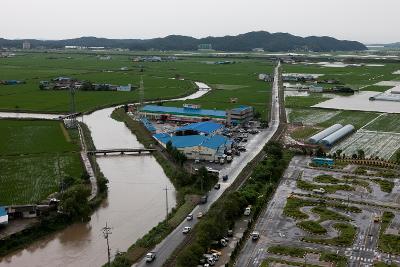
column 3, row 211
column 213, row 142
column 185, row 111
column 241, row 108
column 205, row 127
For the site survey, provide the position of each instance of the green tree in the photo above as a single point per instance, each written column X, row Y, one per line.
column 360, row 154
column 75, row 204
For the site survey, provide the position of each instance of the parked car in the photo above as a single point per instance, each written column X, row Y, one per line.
column 151, row 256
column 186, row 229
column 189, row 217
column 255, row 235
column 229, row 159
column 199, row 215
column 217, row 186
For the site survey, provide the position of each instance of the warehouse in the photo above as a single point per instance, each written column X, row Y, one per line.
column 200, row 128
column 188, row 113
column 197, row 146
column 194, row 113
column 328, row 131
column 333, row 138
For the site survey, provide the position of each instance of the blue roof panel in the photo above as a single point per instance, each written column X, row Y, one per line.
column 2, row 211
column 206, row 127
column 213, row 142
column 185, row 111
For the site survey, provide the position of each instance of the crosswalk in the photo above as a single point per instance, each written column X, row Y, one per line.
column 354, row 258
column 362, row 249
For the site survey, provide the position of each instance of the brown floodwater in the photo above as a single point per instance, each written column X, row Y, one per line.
column 135, row 204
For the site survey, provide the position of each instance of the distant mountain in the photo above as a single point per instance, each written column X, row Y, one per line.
column 273, row 42
column 393, row 45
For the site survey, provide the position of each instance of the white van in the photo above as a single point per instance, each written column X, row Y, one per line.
column 247, row 211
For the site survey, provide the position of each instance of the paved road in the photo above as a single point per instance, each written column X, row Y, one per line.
column 165, row 249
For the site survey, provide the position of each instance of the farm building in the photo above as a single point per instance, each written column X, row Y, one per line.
column 328, row 131
column 3, row 216
column 197, row 146
column 333, row 138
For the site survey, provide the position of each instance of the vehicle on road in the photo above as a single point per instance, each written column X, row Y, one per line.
column 228, row 159
column 189, row 217
column 217, row 186
column 199, row 215
column 255, row 235
column 377, row 218
column 225, row 178
column 247, row 211
column 203, row 199
column 230, row 233
column 241, row 148
column 186, row 229
column 151, row 256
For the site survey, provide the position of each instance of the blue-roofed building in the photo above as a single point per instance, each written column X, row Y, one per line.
column 193, row 113
column 197, row 146
column 3, row 216
column 202, row 128
column 189, row 113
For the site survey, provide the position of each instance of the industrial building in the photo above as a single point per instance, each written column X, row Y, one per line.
column 194, row 113
column 315, row 139
column 3, row 216
column 333, row 138
column 199, row 147
column 200, row 128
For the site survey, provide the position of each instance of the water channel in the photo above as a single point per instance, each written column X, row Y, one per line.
column 135, row 203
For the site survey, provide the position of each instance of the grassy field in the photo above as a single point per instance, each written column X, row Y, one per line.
column 35, row 157
column 33, row 68
column 356, row 118
column 386, row 123
column 351, row 76
column 237, row 80
column 233, row 80
column 310, row 116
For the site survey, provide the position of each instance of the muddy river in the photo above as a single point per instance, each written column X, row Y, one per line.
column 135, row 203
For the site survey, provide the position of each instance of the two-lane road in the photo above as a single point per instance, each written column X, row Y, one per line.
column 165, row 249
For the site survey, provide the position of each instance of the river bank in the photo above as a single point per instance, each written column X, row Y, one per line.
column 135, row 184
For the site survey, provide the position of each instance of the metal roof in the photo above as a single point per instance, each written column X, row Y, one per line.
column 213, row 142
column 205, row 127
column 241, row 108
column 319, row 136
column 184, row 111
column 339, row 134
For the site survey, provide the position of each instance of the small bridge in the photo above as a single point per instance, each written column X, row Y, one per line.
column 121, row 151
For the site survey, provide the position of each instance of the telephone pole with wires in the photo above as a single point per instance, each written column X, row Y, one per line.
column 106, row 232
column 166, row 201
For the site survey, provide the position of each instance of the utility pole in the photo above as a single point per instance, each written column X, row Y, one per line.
column 72, row 107
column 166, row 202
column 106, row 232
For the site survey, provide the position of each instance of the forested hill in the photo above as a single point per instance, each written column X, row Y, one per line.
column 244, row 42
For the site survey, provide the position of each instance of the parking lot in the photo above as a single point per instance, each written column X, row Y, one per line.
column 241, row 137
column 342, row 222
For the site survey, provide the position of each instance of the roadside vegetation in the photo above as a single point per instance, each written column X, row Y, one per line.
column 347, row 233
column 340, row 261
column 385, row 185
column 256, row 191
column 388, row 243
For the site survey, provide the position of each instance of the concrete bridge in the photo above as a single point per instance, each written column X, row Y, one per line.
column 121, row 151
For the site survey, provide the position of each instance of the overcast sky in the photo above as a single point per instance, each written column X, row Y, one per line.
column 368, row 21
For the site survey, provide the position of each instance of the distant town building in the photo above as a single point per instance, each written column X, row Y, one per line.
column 265, row 77
column 26, row 45
column 258, row 50
column 204, row 47
column 240, row 115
